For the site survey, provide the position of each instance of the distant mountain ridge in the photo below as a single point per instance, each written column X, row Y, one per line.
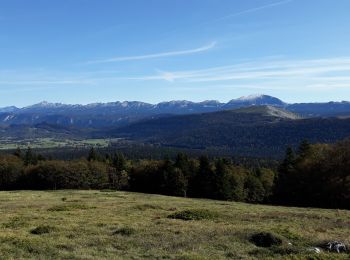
column 264, row 131
column 122, row 113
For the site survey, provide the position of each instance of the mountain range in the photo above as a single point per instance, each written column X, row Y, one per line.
column 123, row 113
column 258, row 126
column 263, row 131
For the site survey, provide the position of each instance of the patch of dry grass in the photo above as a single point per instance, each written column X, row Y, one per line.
column 110, row 225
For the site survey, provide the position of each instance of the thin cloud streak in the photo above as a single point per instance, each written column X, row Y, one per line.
column 256, row 9
column 313, row 72
column 269, row 74
column 255, row 70
column 156, row 55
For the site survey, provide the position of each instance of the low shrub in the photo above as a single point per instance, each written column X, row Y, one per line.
column 193, row 214
column 42, row 230
column 266, row 239
column 125, row 231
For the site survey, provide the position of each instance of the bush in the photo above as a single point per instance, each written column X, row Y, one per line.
column 265, row 239
column 42, row 230
column 194, row 214
column 125, row 231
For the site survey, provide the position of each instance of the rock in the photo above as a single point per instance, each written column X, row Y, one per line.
column 335, row 246
column 265, row 239
column 314, row 250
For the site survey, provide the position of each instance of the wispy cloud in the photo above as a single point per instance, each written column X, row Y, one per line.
column 264, row 74
column 332, row 72
column 156, row 55
column 255, row 9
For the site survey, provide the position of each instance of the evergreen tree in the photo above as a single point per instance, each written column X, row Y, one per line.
column 30, row 157
column 304, row 149
column 222, row 183
column 286, row 180
column 288, row 163
column 176, row 183
column 92, row 156
column 119, row 161
column 204, row 181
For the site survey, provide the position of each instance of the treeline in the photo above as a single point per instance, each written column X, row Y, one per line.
column 149, row 152
column 216, row 179
column 314, row 175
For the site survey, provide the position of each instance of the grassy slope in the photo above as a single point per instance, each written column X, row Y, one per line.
column 83, row 226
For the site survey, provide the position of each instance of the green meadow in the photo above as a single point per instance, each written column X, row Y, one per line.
column 92, row 224
column 38, row 143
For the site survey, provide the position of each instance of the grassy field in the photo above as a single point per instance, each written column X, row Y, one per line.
column 7, row 144
column 121, row 225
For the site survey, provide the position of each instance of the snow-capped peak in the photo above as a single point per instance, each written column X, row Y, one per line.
column 251, row 97
column 8, row 109
column 46, row 104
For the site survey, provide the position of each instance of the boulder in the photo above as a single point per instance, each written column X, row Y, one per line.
column 265, row 239
column 335, row 246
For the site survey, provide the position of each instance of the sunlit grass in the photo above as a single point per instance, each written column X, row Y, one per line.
column 94, row 224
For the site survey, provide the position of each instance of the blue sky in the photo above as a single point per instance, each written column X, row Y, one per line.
column 85, row 51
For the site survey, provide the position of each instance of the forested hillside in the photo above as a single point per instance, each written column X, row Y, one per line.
column 258, row 131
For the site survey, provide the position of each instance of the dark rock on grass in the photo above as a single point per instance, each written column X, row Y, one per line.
column 42, row 230
column 125, row 231
column 193, row 214
column 335, row 246
column 266, row 239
